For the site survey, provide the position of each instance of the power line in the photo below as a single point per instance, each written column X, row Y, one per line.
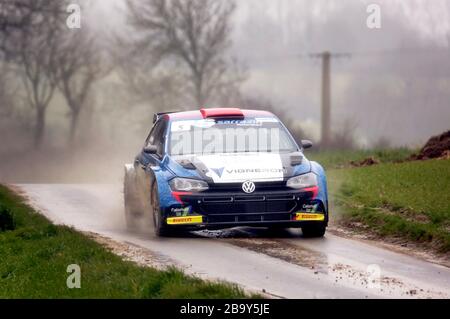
column 402, row 51
column 326, row 58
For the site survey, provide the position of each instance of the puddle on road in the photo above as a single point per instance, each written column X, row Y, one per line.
column 287, row 252
column 259, row 240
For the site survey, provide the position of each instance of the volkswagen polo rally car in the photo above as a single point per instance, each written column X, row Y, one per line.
column 222, row 168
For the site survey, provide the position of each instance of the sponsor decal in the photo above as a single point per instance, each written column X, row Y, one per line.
column 185, row 220
column 184, row 211
column 238, row 168
column 249, row 122
column 310, row 208
column 309, row 217
column 255, row 170
column 218, row 171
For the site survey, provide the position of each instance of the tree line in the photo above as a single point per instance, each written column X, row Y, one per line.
column 174, row 52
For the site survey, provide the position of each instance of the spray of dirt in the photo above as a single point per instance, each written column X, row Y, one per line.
column 98, row 157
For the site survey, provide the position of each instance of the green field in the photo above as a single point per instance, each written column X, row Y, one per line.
column 407, row 199
column 341, row 159
column 35, row 254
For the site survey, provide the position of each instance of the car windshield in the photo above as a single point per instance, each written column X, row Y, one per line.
column 208, row 136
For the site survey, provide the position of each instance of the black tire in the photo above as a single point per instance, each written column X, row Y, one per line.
column 132, row 211
column 160, row 229
column 314, row 230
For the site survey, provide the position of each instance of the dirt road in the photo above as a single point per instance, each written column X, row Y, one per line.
column 282, row 264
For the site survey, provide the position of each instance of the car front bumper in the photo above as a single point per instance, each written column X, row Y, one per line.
column 292, row 208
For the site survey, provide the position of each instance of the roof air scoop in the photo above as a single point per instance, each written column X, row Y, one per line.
column 186, row 163
column 221, row 113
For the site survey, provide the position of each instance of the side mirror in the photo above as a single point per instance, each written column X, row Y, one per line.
column 151, row 149
column 306, row 144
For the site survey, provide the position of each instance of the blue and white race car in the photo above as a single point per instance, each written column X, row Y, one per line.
column 222, row 168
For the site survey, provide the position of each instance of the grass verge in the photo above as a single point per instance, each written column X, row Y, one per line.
column 341, row 159
column 409, row 199
column 35, row 255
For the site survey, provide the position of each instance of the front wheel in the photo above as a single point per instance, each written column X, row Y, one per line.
column 314, row 230
column 133, row 211
column 160, row 228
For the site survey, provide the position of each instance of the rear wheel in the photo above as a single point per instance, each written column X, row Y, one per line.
column 314, row 230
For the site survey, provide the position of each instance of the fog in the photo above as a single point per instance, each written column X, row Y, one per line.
column 388, row 84
column 394, row 84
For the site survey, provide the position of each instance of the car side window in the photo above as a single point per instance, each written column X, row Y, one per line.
column 151, row 137
column 160, row 138
column 156, row 136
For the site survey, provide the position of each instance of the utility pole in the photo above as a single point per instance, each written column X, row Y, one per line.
column 326, row 107
column 326, row 95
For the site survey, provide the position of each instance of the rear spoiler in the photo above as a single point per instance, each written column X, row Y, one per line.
column 157, row 116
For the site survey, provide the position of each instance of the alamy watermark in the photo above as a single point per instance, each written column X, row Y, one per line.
column 227, row 140
column 74, row 279
column 374, row 18
column 373, row 276
column 73, row 21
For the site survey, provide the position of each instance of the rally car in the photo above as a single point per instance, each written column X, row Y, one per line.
column 223, row 168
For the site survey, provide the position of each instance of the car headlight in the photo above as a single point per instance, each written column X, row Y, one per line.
column 302, row 181
column 187, row 185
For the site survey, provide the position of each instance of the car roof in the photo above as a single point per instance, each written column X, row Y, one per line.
column 199, row 114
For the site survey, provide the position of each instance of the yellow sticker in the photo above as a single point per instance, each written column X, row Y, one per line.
column 309, row 216
column 185, row 220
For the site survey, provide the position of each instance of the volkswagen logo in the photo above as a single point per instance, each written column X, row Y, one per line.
column 248, row 187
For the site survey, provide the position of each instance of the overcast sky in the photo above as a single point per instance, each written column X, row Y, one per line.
column 395, row 83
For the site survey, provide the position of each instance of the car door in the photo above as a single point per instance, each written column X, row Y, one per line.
column 145, row 161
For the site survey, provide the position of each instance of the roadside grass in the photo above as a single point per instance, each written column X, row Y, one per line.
column 409, row 199
column 34, row 255
column 340, row 159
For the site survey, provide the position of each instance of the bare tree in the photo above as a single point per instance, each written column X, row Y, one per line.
column 195, row 32
column 39, row 87
column 19, row 18
column 7, row 92
column 145, row 81
column 77, row 65
column 28, row 32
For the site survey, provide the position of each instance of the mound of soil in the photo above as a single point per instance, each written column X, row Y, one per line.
column 366, row 162
column 436, row 147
